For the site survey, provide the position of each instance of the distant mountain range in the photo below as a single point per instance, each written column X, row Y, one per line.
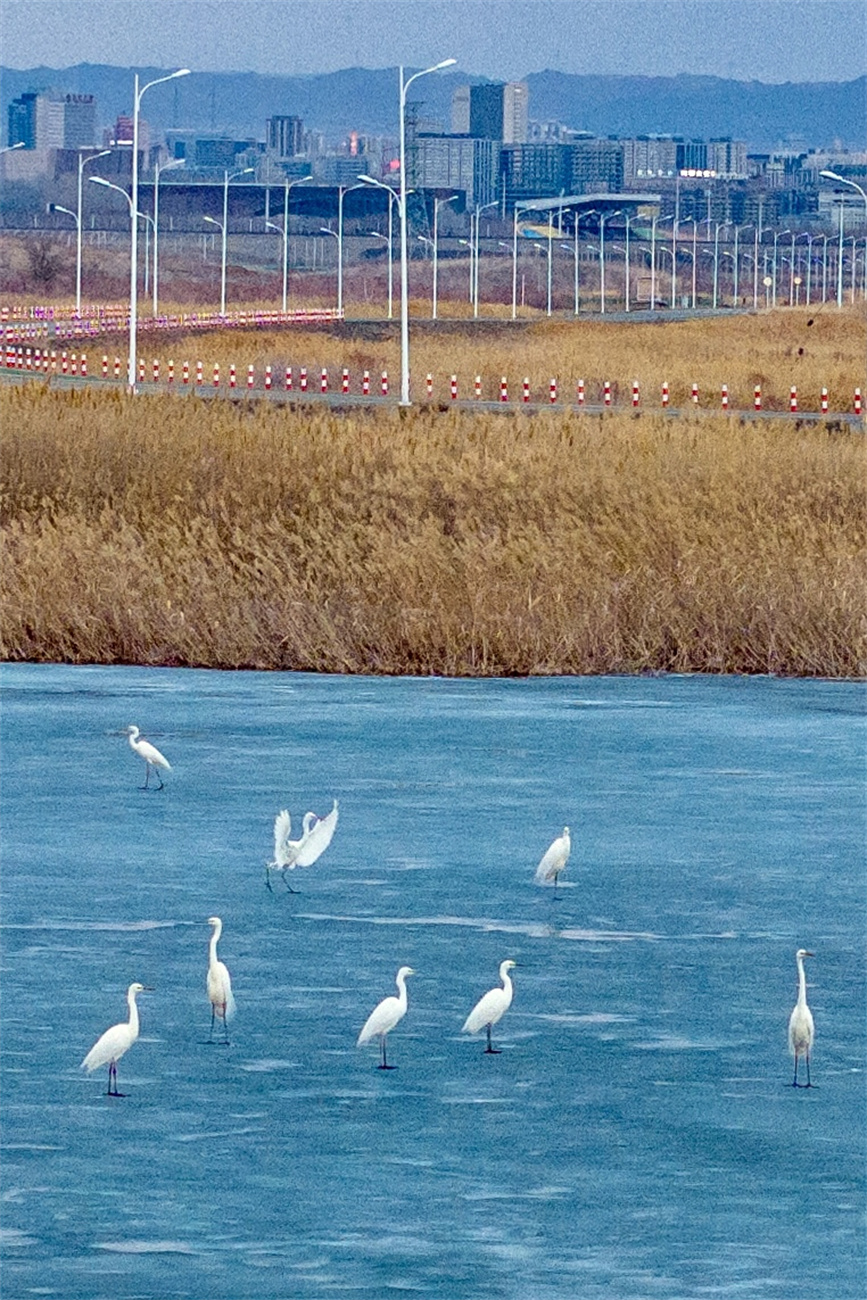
column 790, row 115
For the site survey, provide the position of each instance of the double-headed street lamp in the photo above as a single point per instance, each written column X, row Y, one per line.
column 158, row 171
column 82, row 163
column 843, row 180
column 603, row 216
column 404, row 269
column 133, row 209
column 287, row 185
column 224, row 227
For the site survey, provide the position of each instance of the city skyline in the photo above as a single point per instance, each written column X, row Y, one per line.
column 767, row 40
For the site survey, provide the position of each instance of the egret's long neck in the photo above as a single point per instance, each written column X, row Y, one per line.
column 401, row 990
column 213, row 944
column 133, row 1013
column 507, row 984
column 802, row 984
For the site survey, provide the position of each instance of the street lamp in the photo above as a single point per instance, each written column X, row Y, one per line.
column 437, row 205
column 338, row 235
column 656, row 220
column 224, row 227
column 158, row 171
column 843, row 180
column 287, row 185
column 133, row 210
column 778, row 235
column 82, row 163
column 392, row 199
column 143, row 216
column 474, row 255
column 404, row 270
column 602, row 217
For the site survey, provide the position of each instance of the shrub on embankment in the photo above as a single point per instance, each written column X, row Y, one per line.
column 168, row 531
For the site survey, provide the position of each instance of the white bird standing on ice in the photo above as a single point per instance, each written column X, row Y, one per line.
column 316, row 835
column 151, row 755
column 492, row 1007
column 801, row 1031
column 383, row 1018
column 554, row 860
column 219, row 983
column 110, row 1047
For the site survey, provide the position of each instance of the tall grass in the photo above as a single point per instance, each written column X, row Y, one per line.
column 811, row 349
column 197, row 533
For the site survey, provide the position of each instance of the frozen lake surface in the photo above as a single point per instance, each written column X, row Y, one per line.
column 637, row 1139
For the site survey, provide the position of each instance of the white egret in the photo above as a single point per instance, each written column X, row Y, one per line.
column 219, row 983
column 554, row 860
column 316, row 835
column 801, row 1030
column 110, row 1047
column 492, row 1007
column 383, row 1018
column 151, row 755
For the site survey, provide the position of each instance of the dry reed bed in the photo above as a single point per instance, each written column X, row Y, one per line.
column 811, row 349
column 192, row 533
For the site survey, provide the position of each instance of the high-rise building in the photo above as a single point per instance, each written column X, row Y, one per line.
column 497, row 112
column 461, row 111
column 52, row 121
column 448, row 162
column 285, row 136
column 21, row 120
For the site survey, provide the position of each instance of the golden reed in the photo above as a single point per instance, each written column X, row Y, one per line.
column 187, row 532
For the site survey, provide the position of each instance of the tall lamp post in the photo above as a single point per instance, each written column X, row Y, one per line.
column 392, row 199
column 602, row 219
column 338, row 235
column 224, row 227
column 133, row 209
column 287, row 185
column 82, row 163
column 158, row 171
column 437, row 205
column 474, row 255
column 843, row 180
column 404, row 270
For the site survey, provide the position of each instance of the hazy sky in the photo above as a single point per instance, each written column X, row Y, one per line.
column 764, row 40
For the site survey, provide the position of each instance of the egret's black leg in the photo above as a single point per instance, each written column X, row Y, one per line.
column 268, row 880
column 384, row 1065
column 213, row 1013
column 807, row 1057
column 225, row 1027
column 159, row 778
column 147, row 775
column 494, row 1051
column 288, row 886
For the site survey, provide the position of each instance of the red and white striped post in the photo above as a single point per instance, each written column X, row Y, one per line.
column 453, row 388
column 141, row 370
column 477, row 387
column 84, row 364
column 73, row 364
column 724, row 397
column 117, row 367
column 344, row 381
column 287, row 379
column 28, row 359
column 857, row 401
column 384, row 383
column 695, row 394
column 250, row 373
column 580, row 392
column 104, row 366
column 303, row 379
column 216, row 374
column 170, row 377
column 552, row 391
column 429, row 384
column 233, row 377
column 185, row 372
column 267, row 378
column 504, row 390
column 323, row 381
column 606, row 392
column 757, row 398
column 525, row 391
column 665, row 395
column 635, row 393
column 365, row 384
column 155, row 370
column 200, row 373
column 793, row 398
column 824, row 401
